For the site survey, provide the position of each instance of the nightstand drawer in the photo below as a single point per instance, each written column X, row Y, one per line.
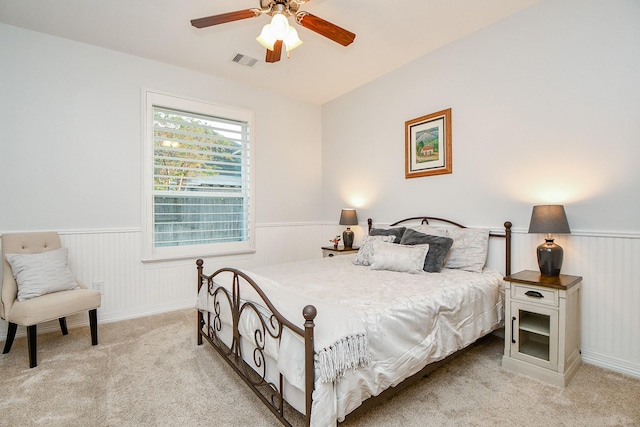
column 330, row 251
column 535, row 294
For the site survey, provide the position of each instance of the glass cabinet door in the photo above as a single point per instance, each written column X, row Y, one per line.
column 534, row 334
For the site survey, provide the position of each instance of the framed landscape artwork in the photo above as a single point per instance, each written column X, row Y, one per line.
column 428, row 145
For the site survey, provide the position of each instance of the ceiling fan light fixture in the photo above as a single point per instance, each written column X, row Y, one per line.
column 266, row 37
column 292, row 41
column 278, row 32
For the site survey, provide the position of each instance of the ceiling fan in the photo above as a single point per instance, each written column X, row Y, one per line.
column 278, row 32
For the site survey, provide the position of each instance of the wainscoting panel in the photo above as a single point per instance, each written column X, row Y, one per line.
column 609, row 266
column 135, row 289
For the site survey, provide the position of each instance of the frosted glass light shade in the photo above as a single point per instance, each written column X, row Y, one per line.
column 292, row 41
column 279, row 29
column 266, row 37
column 279, row 26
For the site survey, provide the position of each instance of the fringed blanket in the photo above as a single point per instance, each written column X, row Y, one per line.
column 340, row 336
column 345, row 354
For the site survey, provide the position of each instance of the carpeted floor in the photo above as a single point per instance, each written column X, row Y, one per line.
column 150, row 372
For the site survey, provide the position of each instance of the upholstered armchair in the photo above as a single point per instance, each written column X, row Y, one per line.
column 37, row 287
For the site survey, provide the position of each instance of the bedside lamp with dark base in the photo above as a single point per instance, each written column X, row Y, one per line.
column 348, row 217
column 549, row 219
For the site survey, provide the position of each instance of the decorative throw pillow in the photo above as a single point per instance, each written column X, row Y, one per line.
column 398, row 232
column 365, row 253
column 469, row 249
column 438, row 248
column 40, row 274
column 401, row 258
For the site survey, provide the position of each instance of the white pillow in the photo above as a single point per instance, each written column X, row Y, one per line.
column 365, row 253
column 401, row 258
column 469, row 249
column 43, row 273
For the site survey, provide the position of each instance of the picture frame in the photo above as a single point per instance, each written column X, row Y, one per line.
column 428, row 145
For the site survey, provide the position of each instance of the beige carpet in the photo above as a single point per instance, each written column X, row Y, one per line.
column 149, row 372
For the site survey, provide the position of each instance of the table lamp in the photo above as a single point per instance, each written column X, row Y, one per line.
column 348, row 217
column 549, row 219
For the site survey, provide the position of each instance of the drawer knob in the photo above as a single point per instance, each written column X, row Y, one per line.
column 534, row 294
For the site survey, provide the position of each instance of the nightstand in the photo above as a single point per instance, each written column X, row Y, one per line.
column 542, row 326
column 330, row 251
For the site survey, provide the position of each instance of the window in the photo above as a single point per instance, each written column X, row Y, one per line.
column 198, row 173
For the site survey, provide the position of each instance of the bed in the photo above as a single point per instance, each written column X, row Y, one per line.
column 318, row 340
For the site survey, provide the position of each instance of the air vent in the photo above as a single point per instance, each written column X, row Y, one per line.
column 245, row 60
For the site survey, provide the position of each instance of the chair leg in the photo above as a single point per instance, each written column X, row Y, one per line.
column 31, row 344
column 63, row 325
column 11, row 334
column 93, row 322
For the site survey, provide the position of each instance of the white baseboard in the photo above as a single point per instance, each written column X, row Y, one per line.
column 148, row 311
column 611, row 363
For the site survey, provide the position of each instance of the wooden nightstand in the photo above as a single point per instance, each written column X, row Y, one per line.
column 542, row 326
column 330, row 251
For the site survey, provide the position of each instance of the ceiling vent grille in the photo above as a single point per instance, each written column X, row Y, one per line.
column 245, row 60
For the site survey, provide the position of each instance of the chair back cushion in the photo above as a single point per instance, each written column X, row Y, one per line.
column 21, row 243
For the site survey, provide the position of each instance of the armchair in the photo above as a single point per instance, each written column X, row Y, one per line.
column 44, row 300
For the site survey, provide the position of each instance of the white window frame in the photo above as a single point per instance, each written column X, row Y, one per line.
column 150, row 251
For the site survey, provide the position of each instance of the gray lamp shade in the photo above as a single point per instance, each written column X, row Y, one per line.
column 549, row 219
column 348, row 217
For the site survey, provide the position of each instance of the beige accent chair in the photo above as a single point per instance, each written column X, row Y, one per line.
column 44, row 308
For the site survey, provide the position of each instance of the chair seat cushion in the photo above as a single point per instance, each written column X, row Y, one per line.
column 53, row 306
column 41, row 273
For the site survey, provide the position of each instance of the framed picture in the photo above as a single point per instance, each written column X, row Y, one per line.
column 428, row 145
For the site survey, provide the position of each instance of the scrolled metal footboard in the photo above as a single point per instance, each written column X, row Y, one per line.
column 270, row 324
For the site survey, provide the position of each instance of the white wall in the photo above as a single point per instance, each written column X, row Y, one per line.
column 552, row 90
column 72, row 136
column 545, row 109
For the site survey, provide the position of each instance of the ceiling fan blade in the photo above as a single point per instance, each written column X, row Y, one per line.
column 225, row 17
column 274, row 55
column 325, row 28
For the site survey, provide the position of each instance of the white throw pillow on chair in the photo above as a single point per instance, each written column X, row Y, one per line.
column 41, row 273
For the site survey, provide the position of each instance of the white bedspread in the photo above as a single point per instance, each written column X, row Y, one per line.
column 339, row 336
column 410, row 320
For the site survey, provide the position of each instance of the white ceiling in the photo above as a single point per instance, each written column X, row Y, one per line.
column 389, row 34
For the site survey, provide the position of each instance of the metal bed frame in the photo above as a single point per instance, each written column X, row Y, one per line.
column 272, row 324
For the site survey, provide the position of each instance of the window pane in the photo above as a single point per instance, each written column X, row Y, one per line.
column 200, row 179
column 193, row 220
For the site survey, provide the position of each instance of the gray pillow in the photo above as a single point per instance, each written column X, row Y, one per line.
column 438, row 248
column 398, row 232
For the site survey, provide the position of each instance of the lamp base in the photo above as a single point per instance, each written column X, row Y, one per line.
column 347, row 238
column 550, row 258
